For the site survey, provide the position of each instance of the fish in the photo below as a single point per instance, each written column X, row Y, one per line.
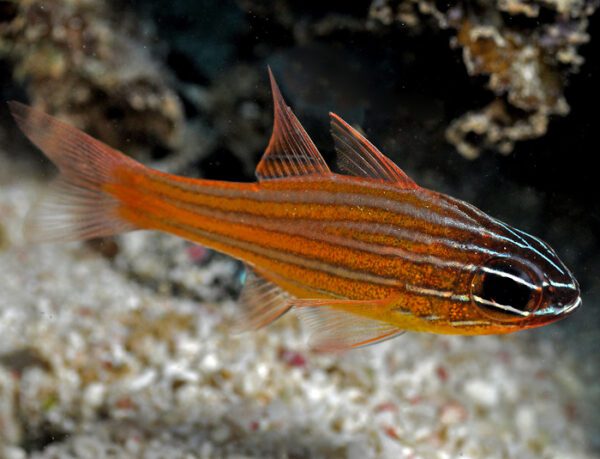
column 361, row 255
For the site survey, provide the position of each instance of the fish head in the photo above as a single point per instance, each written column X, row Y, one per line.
column 527, row 286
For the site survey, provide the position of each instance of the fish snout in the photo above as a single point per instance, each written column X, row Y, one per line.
column 566, row 298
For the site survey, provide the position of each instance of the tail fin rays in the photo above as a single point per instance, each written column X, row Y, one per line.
column 79, row 204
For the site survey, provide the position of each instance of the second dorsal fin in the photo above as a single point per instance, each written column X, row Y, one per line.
column 291, row 152
column 359, row 157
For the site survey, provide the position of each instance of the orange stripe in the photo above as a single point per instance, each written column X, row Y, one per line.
column 267, row 224
column 337, row 254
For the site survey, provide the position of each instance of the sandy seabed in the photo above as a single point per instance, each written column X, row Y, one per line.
column 96, row 362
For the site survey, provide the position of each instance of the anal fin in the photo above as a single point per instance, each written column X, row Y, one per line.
column 334, row 329
column 262, row 302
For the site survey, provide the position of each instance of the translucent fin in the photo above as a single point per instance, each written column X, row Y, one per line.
column 359, row 157
column 335, row 330
column 77, row 206
column 70, row 212
column 291, row 152
column 262, row 302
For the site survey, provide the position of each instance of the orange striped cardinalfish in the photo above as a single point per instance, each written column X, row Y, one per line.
column 361, row 256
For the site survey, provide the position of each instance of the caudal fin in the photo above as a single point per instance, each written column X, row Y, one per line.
column 79, row 205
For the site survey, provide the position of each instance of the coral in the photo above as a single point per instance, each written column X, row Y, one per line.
column 91, row 64
column 526, row 50
column 495, row 127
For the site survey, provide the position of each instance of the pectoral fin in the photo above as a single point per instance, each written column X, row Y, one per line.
column 261, row 301
column 334, row 329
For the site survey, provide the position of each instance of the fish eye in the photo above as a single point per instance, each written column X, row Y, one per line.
column 506, row 289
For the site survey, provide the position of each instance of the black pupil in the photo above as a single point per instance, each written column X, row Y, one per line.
column 506, row 290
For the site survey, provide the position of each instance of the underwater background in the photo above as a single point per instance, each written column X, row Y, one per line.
column 123, row 348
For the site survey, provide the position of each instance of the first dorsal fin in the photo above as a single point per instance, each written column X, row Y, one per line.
column 359, row 157
column 291, row 152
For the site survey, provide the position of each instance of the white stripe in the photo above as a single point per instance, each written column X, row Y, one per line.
column 437, row 293
column 503, row 307
column 468, row 323
column 512, row 277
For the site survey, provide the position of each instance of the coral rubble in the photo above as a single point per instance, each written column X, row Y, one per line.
column 92, row 64
column 526, row 50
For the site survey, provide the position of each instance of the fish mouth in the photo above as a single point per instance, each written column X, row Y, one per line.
column 556, row 313
column 565, row 299
column 571, row 298
column 569, row 308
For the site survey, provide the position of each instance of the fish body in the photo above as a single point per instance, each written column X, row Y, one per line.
column 360, row 256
